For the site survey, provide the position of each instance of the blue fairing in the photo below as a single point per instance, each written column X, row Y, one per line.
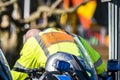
column 3, row 76
column 62, row 77
column 4, row 68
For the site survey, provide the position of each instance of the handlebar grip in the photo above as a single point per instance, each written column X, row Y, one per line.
column 20, row 69
column 25, row 70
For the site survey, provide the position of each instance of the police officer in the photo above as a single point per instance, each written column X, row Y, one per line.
column 33, row 55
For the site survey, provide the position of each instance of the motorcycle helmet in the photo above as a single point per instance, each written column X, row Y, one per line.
column 50, row 64
column 76, row 65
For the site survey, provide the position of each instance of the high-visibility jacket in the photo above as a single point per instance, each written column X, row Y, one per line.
column 32, row 55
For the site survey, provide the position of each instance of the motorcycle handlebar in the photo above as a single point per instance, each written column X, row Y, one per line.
column 26, row 70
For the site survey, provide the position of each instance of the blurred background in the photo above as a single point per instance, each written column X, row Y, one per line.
column 90, row 20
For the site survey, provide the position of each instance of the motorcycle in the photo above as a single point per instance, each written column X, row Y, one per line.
column 60, row 66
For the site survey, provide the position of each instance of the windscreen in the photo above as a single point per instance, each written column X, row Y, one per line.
column 4, row 67
column 3, row 59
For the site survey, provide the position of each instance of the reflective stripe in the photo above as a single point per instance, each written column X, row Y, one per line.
column 56, row 37
column 19, row 65
column 47, row 39
column 42, row 45
column 98, row 63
